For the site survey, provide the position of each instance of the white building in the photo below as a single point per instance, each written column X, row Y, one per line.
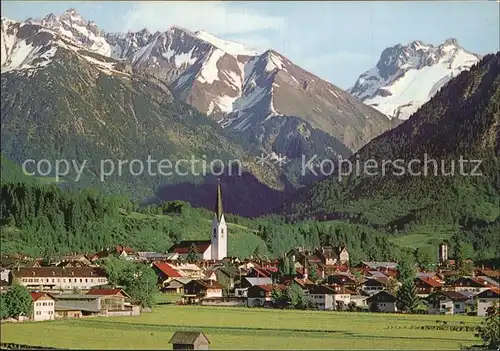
column 446, row 302
column 322, row 297
column 43, row 307
column 59, row 278
column 486, row 299
column 341, row 299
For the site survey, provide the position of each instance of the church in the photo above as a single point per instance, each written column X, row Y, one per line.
column 216, row 247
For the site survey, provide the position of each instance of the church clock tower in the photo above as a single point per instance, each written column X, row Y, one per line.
column 219, row 229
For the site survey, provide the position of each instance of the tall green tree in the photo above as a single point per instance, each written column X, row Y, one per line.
column 407, row 299
column 18, row 302
column 489, row 330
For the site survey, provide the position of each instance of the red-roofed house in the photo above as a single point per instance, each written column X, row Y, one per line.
column 165, row 272
column 43, row 306
column 426, row 285
column 469, row 284
column 203, row 248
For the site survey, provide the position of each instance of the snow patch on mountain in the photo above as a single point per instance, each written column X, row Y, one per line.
column 406, row 77
column 230, row 47
column 209, row 72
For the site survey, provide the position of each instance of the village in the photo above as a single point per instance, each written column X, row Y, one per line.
column 201, row 273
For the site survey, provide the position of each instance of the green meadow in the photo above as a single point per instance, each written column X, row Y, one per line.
column 248, row 328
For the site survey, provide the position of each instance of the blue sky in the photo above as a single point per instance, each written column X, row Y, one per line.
column 335, row 40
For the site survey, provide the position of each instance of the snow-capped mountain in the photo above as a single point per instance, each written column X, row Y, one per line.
column 239, row 87
column 407, row 76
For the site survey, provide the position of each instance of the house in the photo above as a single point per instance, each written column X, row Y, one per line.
column 426, row 285
column 43, row 306
column 202, row 249
column 175, row 286
column 118, row 251
column 260, row 295
column 469, row 284
column 446, row 302
column 165, row 272
column 5, row 275
column 359, row 301
column 189, row 340
column 382, row 301
column 81, row 260
column 107, row 302
column 189, row 270
column 59, row 278
column 151, row 256
column 486, row 299
column 195, row 290
column 229, row 301
column 374, row 285
column 229, row 276
column 430, row 275
column 248, row 282
column 342, row 280
column 341, row 300
column 119, row 293
column 321, row 297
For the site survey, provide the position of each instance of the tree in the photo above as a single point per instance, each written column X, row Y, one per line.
column 143, row 288
column 3, row 307
column 407, row 299
column 18, row 302
column 313, row 274
column 192, row 256
column 277, row 296
column 489, row 330
column 297, row 296
column 137, row 279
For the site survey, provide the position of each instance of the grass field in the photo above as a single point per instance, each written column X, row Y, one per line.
column 246, row 328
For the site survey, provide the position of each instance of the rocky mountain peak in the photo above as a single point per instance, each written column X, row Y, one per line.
column 406, row 76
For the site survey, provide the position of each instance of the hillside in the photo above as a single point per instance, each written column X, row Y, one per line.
column 461, row 120
column 44, row 220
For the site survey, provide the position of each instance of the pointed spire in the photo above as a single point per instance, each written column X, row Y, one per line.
column 218, row 204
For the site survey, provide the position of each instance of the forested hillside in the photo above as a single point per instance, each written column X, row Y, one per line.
column 45, row 220
column 461, row 121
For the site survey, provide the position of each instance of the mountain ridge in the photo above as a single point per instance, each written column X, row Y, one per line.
column 210, row 74
column 407, row 76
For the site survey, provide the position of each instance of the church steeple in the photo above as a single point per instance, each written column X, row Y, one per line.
column 219, row 228
column 218, row 202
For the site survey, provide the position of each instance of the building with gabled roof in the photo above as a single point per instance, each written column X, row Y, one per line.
column 446, row 302
column 43, row 306
column 189, row 340
column 59, row 278
column 109, row 292
column 486, row 299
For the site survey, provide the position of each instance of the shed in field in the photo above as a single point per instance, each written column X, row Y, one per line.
column 189, row 340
